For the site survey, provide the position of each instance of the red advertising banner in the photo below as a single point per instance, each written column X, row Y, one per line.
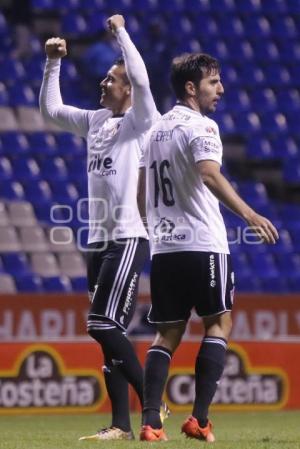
column 63, row 317
column 67, row 377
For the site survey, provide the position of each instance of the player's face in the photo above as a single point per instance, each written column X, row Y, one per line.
column 209, row 92
column 115, row 90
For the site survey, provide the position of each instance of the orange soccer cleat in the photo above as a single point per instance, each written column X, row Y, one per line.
column 192, row 429
column 149, row 434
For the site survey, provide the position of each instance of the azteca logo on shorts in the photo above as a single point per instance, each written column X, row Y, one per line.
column 41, row 382
column 241, row 387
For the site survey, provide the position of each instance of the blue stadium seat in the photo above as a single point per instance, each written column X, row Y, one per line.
column 42, row 5
column 238, row 100
column 206, row 26
column 266, row 51
column 95, row 22
column 26, row 169
column 247, row 7
column 64, row 192
column 284, row 245
column 240, row 50
column 278, row 285
column 293, row 7
column 66, row 5
column 285, row 147
column 289, row 51
column 69, row 144
column 291, row 171
column 288, row 264
column 259, row 147
column 42, row 144
column 254, row 192
column 248, row 285
column 294, row 284
column 14, row 143
column 38, row 192
column 252, row 76
column 264, row 265
column 230, row 25
column 11, row 190
column 288, row 100
column 226, row 123
column 257, row 26
column 54, row 169
column 73, row 25
column 68, row 69
column 273, row 7
column 241, row 266
column 247, row 123
column 4, row 97
column 34, row 68
column 57, row 284
column 77, row 168
column 29, row 283
column 11, row 71
column 43, row 212
column 22, row 95
column 284, row 27
column 79, row 284
column 264, row 100
column 229, row 75
column 6, row 172
column 16, row 264
column 277, row 75
column 274, row 123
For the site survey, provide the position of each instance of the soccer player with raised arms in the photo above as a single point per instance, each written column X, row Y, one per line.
column 117, row 241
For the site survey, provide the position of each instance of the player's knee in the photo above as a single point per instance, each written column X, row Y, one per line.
column 169, row 336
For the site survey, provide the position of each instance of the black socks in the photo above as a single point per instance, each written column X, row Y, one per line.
column 208, row 371
column 122, row 355
column 156, row 373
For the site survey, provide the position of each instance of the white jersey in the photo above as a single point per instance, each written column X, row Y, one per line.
column 182, row 213
column 114, row 146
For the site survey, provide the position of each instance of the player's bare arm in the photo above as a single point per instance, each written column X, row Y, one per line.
column 116, row 21
column 221, row 188
column 55, row 48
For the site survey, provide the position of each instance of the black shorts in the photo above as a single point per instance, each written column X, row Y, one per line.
column 183, row 280
column 113, row 275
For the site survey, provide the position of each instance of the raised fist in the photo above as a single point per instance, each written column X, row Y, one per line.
column 115, row 22
column 55, row 48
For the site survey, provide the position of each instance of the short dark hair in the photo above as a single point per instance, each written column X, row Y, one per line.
column 191, row 67
column 120, row 62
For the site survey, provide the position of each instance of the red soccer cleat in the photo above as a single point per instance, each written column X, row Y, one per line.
column 149, row 434
column 192, row 429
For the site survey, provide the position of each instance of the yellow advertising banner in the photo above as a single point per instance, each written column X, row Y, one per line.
column 67, row 377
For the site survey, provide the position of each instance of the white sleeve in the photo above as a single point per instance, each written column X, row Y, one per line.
column 68, row 118
column 143, row 107
column 206, row 148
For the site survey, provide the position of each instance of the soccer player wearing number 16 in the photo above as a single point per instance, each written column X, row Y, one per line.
column 191, row 265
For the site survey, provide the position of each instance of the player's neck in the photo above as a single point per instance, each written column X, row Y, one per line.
column 120, row 109
column 190, row 103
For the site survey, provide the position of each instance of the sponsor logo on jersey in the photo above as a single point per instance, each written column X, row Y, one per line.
column 163, row 231
column 241, row 387
column 41, row 381
column 212, row 130
column 102, row 166
column 210, row 146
